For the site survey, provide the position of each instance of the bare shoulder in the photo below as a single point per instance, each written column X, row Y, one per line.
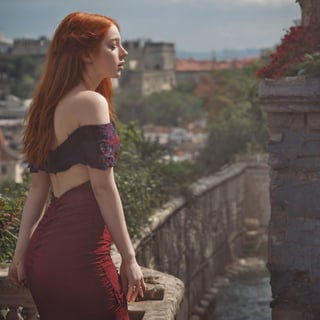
column 89, row 96
column 90, row 107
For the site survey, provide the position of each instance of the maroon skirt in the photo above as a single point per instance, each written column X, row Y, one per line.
column 69, row 269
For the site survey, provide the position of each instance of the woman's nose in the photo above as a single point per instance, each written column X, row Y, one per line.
column 124, row 52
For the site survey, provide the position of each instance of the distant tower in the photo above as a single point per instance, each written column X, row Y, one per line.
column 150, row 67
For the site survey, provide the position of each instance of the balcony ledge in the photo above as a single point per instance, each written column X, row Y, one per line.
column 164, row 294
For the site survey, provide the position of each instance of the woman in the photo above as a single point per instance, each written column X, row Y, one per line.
column 70, row 141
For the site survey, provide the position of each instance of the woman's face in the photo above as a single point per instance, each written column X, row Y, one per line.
column 108, row 62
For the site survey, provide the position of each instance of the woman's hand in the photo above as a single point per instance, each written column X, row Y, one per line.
column 132, row 280
column 16, row 273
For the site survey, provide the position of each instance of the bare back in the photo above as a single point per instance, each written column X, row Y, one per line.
column 68, row 116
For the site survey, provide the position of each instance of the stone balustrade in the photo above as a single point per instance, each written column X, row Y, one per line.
column 162, row 299
column 195, row 239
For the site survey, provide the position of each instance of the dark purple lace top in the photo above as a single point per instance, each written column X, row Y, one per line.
column 94, row 145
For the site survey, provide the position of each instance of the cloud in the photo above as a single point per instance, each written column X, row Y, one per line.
column 278, row 3
column 217, row 3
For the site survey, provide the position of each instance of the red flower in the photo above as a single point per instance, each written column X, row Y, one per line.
column 297, row 41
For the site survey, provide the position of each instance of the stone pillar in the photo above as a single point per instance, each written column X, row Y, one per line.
column 293, row 109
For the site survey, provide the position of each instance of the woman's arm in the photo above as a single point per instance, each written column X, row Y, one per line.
column 31, row 214
column 93, row 108
column 107, row 195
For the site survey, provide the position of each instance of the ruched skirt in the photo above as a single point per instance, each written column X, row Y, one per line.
column 68, row 265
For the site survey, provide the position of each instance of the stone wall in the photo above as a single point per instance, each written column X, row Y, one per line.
column 159, row 56
column 195, row 240
column 293, row 108
column 147, row 82
column 158, row 80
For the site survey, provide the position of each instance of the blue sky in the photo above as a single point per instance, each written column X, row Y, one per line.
column 193, row 25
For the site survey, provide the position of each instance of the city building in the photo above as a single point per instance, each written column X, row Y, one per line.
column 30, row 46
column 150, row 67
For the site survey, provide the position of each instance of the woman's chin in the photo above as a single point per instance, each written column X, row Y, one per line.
column 117, row 76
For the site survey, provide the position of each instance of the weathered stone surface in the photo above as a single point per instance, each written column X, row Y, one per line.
column 286, row 120
column 293, row 108
column 211, row 228
column 163, row 297
column 291, row 94
column 313, row 119
column 305, row 164
column 287, row 313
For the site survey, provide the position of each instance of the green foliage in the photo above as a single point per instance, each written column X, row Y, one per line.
column 171, row 108
column 12, row 197
column 175, row 107
column 135, row 175
column 239, row 128
column 144, row 180
column 24, row 87
column 224, row 88
column 22, row 72
column 310, row 67
column 127, row 105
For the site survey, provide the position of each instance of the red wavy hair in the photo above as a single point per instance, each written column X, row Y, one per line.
column 78, row 34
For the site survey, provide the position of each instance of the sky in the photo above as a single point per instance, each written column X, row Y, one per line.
column 193, row 25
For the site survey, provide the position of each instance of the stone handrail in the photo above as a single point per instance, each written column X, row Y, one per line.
column 196, row 240
column 162, row 299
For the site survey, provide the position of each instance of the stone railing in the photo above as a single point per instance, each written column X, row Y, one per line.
column 162, row 299
column 196, row 239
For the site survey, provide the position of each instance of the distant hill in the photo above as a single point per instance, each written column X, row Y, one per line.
column 224, row 54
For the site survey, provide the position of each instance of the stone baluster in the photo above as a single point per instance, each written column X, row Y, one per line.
column 14, row 314
column 30, row 314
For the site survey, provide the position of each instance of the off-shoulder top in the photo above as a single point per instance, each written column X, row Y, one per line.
column 94, row 145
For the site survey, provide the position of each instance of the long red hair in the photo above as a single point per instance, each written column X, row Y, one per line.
column 78, row 34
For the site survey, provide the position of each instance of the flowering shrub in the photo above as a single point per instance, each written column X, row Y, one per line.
column 296, row 45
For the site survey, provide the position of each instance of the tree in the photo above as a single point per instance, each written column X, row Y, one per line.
column 171, row 108
column 24, row 87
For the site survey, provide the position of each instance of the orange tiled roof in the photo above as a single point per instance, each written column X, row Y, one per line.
column 209, row 65
column 194, row 65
